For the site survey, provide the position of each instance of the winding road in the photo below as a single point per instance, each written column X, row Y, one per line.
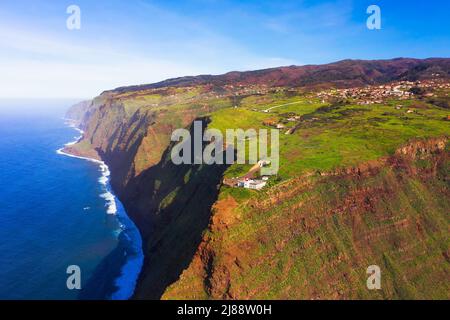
column 281, row 105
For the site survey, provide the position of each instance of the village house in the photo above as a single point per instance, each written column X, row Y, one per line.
column 252, row 184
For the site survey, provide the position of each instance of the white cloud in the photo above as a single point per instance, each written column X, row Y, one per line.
column 28, row 78
column 46, row 67
column 39, row 63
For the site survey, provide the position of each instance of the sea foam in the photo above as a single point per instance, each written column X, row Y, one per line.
column 128, row 231
column 104, row 178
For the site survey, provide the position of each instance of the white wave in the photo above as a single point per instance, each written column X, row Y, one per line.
column 105, row 170
column 60, row 151
column 104, row 178
column 127, row 280
column 107, row 196
column 110, row 202
column 112, row 208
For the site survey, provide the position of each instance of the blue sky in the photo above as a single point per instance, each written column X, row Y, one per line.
column 140, row 41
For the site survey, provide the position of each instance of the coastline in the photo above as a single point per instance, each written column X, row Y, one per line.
column 128, row 231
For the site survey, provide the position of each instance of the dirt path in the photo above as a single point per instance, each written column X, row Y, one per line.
column 251, row 172
column 249, row 175
column 281, row 105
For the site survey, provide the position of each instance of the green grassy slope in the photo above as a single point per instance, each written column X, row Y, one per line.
column 316, row 227
column 315, row 240
column 314, row 237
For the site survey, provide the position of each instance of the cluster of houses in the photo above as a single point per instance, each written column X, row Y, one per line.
column 435, row 84
column 371, row 94
column 400, row 90
column 241, row 90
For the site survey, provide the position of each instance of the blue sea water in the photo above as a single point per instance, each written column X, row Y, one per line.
column 53, row 213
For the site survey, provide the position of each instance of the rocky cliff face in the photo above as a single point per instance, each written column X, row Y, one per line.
column 315, row 236
column 169, row 203
column 78, row 111
column 309, row 237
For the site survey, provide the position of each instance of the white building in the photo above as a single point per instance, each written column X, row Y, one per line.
column 252, row 184
column 256, row 184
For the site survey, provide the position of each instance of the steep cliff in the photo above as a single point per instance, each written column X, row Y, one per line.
column 358, row 185
column 77, row 112
column 314, row 237
column 169, row 203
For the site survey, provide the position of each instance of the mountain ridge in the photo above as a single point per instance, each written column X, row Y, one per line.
column 294, row 73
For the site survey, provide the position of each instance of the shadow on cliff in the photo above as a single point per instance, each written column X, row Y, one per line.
column 171, row 205
column 120, row 156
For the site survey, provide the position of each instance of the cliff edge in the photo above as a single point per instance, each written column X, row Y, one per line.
column 363, row 180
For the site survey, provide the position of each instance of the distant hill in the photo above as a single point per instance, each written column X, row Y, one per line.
column 345, row 73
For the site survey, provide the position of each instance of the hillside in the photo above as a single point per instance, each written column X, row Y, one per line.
column 346, row 73
column 363, row 180
column 314, row 237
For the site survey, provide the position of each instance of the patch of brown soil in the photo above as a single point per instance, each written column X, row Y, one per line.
column 224, row 214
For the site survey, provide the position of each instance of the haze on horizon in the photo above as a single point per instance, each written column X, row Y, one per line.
column 148, row 41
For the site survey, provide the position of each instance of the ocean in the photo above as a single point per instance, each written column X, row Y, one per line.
column 57, row 211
